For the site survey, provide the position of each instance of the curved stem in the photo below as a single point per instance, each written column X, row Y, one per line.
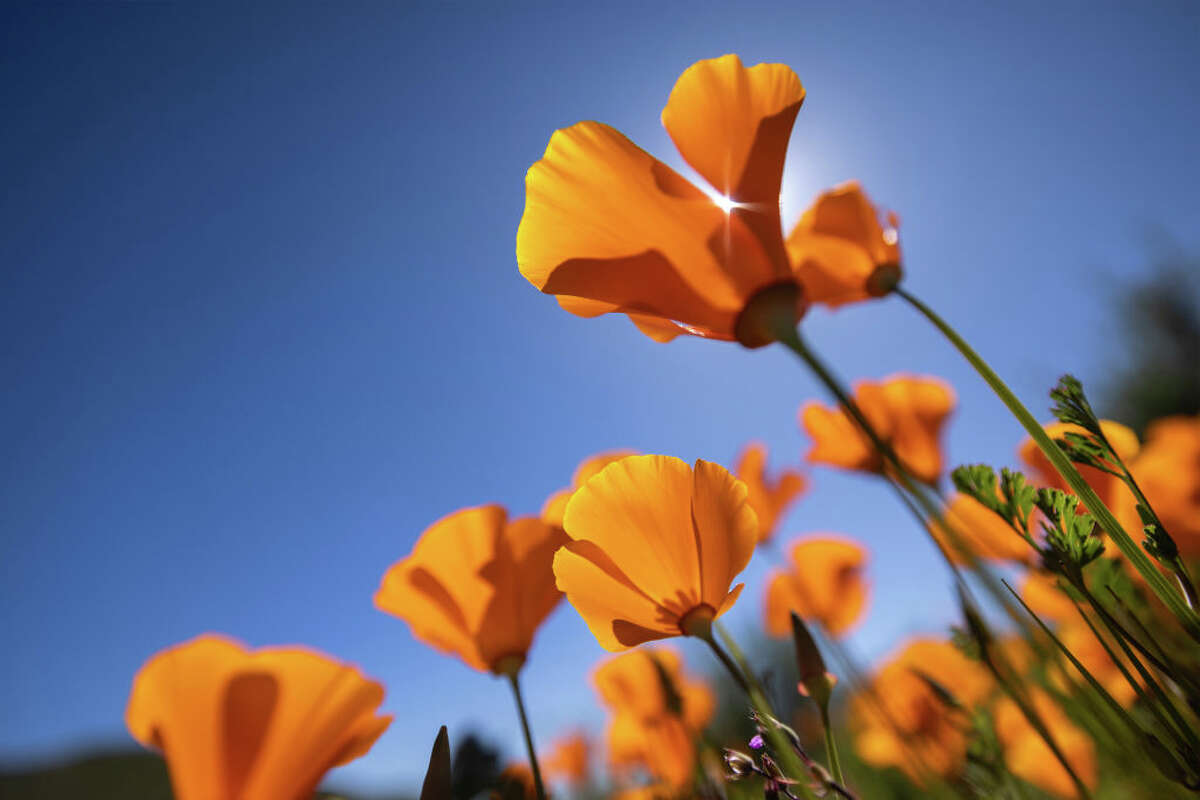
column 1131, row 550
column 515, row 683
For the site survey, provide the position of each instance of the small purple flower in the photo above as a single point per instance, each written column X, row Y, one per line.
column 756, row 743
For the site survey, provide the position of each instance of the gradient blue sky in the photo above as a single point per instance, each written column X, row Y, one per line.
column 261, row 321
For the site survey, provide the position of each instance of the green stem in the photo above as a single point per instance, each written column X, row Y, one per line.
column 1131, row 550
column 515, row 683
column 790, row 761
column 831, row 751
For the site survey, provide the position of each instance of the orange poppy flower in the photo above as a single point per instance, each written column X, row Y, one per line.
column 516, row 780
column 974, row 526
column 1041, row 592
column 1028, row 756
column 1077, row 637
column 632, row 683
column 654, row 545
column 568, row 759
column 609, row 228
column 665, row 746
column 556, row 504
column 841, row 252
column 904, row 724
column 235, row 724
column 1168, row 470
column 477, row 586
column 769, row 497
column 1111, row 490
column 906, row 411
column 825, row 584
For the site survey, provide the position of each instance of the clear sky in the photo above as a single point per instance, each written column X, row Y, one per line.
column 261, row 321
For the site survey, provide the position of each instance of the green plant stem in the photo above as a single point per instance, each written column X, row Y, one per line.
column 831, row 751
column 790, row 761
column 1187, row 617
column 515, row 683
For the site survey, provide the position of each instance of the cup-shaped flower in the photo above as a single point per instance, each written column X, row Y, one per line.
column 235, row 724
column 1042, row 592
column 824, row 584
column 903, row 723
column 609, row 228
column 1168, row 470
column 477, row 585
column 1028, row 756
column 769, row 496
column 569, row 759
column 654, row 546
column 908, row 412
column 841, row 251
column 556, row 504
column 973, row 526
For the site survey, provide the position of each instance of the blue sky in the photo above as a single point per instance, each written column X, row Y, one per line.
column 261, row 321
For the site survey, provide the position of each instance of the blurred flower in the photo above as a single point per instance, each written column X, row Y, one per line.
column 1168, row 471
column 235, row 724
column 648, row 683
column 1041, row 592
column 984, row 533
column 824, row 583
column 477, row 585
column 903, row 723
column 609, row 228
column 1028, row 756
column 516, row 783
column 664, row 746
column 568, row 759
column 657, row 712
column 1111, row 490
column 841, row 252
column 769, row 497
column 1077, row 637
column 556, row 504
column 654, row 545
column 908, row 412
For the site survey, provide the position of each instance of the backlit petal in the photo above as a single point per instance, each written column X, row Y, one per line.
column 726, row 529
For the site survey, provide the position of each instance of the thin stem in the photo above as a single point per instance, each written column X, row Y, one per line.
column 515, row 683
column 831, row 751
column 1162, row 588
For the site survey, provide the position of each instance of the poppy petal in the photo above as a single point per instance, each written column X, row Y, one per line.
column 726, row 529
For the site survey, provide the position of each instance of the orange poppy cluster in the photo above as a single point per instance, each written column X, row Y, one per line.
column 649, row 547
column 902, row 720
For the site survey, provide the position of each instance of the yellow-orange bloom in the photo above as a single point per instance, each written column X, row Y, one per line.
column 1077, row 637
column 609, row 228
column 841, row 252
column 904, row 724
column 633, row 683
column 665, row 746
column 235, row 724
column 824, row 584
column 568, row 759
column 516, row 780
column 556, row 504
column 982, row 532
column 1041, row 592
column 1111, row 490
column 908, row 412
column 769, row 497
column 654, row 546
column 1028, row 756
column 477, row 586
column 1168, row 470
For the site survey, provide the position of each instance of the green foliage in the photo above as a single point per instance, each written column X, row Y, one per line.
column 1071, row 405
column 1070, row 542
column 438, row 778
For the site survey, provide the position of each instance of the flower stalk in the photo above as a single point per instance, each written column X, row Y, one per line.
column 515, row 682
